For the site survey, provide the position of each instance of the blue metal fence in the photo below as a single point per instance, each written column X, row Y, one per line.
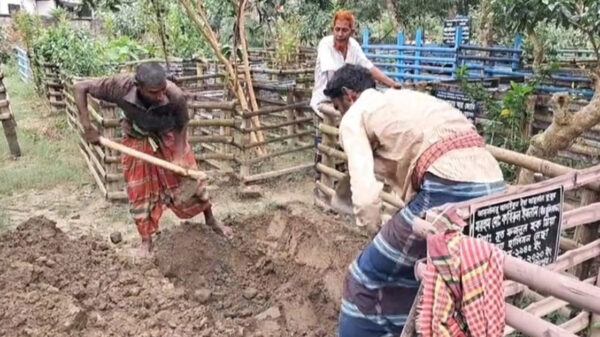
column 418, row 61
column 23, row 65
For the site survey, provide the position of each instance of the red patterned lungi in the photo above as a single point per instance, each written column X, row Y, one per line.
column 150, row 188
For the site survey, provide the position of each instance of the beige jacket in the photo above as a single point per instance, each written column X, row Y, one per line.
column 385, row 133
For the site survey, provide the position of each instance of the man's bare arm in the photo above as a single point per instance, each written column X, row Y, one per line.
column 181, row 133
column 383, row 78
column 81, row 91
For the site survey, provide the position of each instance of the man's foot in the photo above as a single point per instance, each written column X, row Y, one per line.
column 221, row 229
column 145, row 250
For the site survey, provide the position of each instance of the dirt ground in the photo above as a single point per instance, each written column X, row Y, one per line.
column 281, row 275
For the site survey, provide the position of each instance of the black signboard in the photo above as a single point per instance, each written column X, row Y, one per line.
column 449, row 34
column 527, row 227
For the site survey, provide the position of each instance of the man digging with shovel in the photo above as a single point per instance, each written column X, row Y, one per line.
column 431, row 155
column 154, row 122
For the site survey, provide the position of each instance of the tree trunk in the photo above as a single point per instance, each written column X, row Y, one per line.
column 486, row 33
column 565, row 127
column 538, row 50
column 389, row 4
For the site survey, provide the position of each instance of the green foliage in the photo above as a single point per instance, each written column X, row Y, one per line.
column 74, row 51
column 59, row 14
column 183, row 39
column 520, row 16
column 287, row 40
column 384, row 30
column 29, row 27
column 314, row 21
column 129, row 20
column 5, row 50
column 549, row 19
column 125, row 49
column 555, row 38
column 508, row 119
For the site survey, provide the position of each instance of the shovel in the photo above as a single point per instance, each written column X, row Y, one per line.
column 189, row 185
column 341, row 201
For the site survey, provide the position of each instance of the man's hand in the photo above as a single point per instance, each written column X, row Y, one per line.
column 397, row 85
column 92, row 135
column 180, row 161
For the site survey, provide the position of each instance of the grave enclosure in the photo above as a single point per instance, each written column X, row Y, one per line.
column 220, row 134
column 219, row 131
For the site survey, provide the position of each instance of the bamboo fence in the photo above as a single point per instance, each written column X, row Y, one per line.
column 8, row 120
column 579, row 242
column 53, row 86
column 218, row 131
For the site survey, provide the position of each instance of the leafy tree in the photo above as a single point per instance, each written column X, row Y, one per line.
column 583, row 15
column 524, row 16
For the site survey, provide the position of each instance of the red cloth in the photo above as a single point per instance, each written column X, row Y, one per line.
column 463, row 294
column 150, row 187
column 438, row 149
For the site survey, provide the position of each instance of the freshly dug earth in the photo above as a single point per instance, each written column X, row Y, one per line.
column 281, row 275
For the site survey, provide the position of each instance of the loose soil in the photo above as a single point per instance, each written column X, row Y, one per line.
column 281, row 275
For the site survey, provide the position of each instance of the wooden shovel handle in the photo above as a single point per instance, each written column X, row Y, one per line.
column 198, row 175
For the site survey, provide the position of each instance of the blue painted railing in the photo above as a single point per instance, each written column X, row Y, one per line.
column 419, row 61
column 23, row 65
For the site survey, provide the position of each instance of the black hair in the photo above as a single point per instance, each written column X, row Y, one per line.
column 150, row 74
column 349, row 76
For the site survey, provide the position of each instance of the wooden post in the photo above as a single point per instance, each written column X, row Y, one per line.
column 400, row 54
column 289, row 113
column 8, row 121
column 10, row 132
column 595, row 322
column 457, row 42
column 418, row 44
column 585, row 233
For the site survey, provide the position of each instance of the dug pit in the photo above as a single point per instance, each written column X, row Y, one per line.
column 281, row 275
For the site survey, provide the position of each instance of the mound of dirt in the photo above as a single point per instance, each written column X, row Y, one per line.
column 281, row 275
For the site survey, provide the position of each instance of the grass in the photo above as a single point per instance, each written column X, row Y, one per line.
column 50, row 155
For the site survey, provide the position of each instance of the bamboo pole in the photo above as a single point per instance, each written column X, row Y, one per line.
column 277, row 139
column 582, row 215
column 577, row 323
column 544, row 306
column 273, row 109
column 95, row 175
column 210, row 139
column 212, row 122
column 595, row 324
column 257, row 160
column 532, row 326
column 276, row 173
column 588, row 232
column 279, row 125
column 202, row 25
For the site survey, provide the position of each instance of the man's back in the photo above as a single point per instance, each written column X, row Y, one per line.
column 400, row 126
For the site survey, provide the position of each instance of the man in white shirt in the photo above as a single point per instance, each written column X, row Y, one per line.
column 333, row 52
column 336, row 50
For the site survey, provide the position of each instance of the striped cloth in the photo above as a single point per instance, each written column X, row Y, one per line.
column 380, row 287
column 435, row 151
column 462, row 293
column 150, row 188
